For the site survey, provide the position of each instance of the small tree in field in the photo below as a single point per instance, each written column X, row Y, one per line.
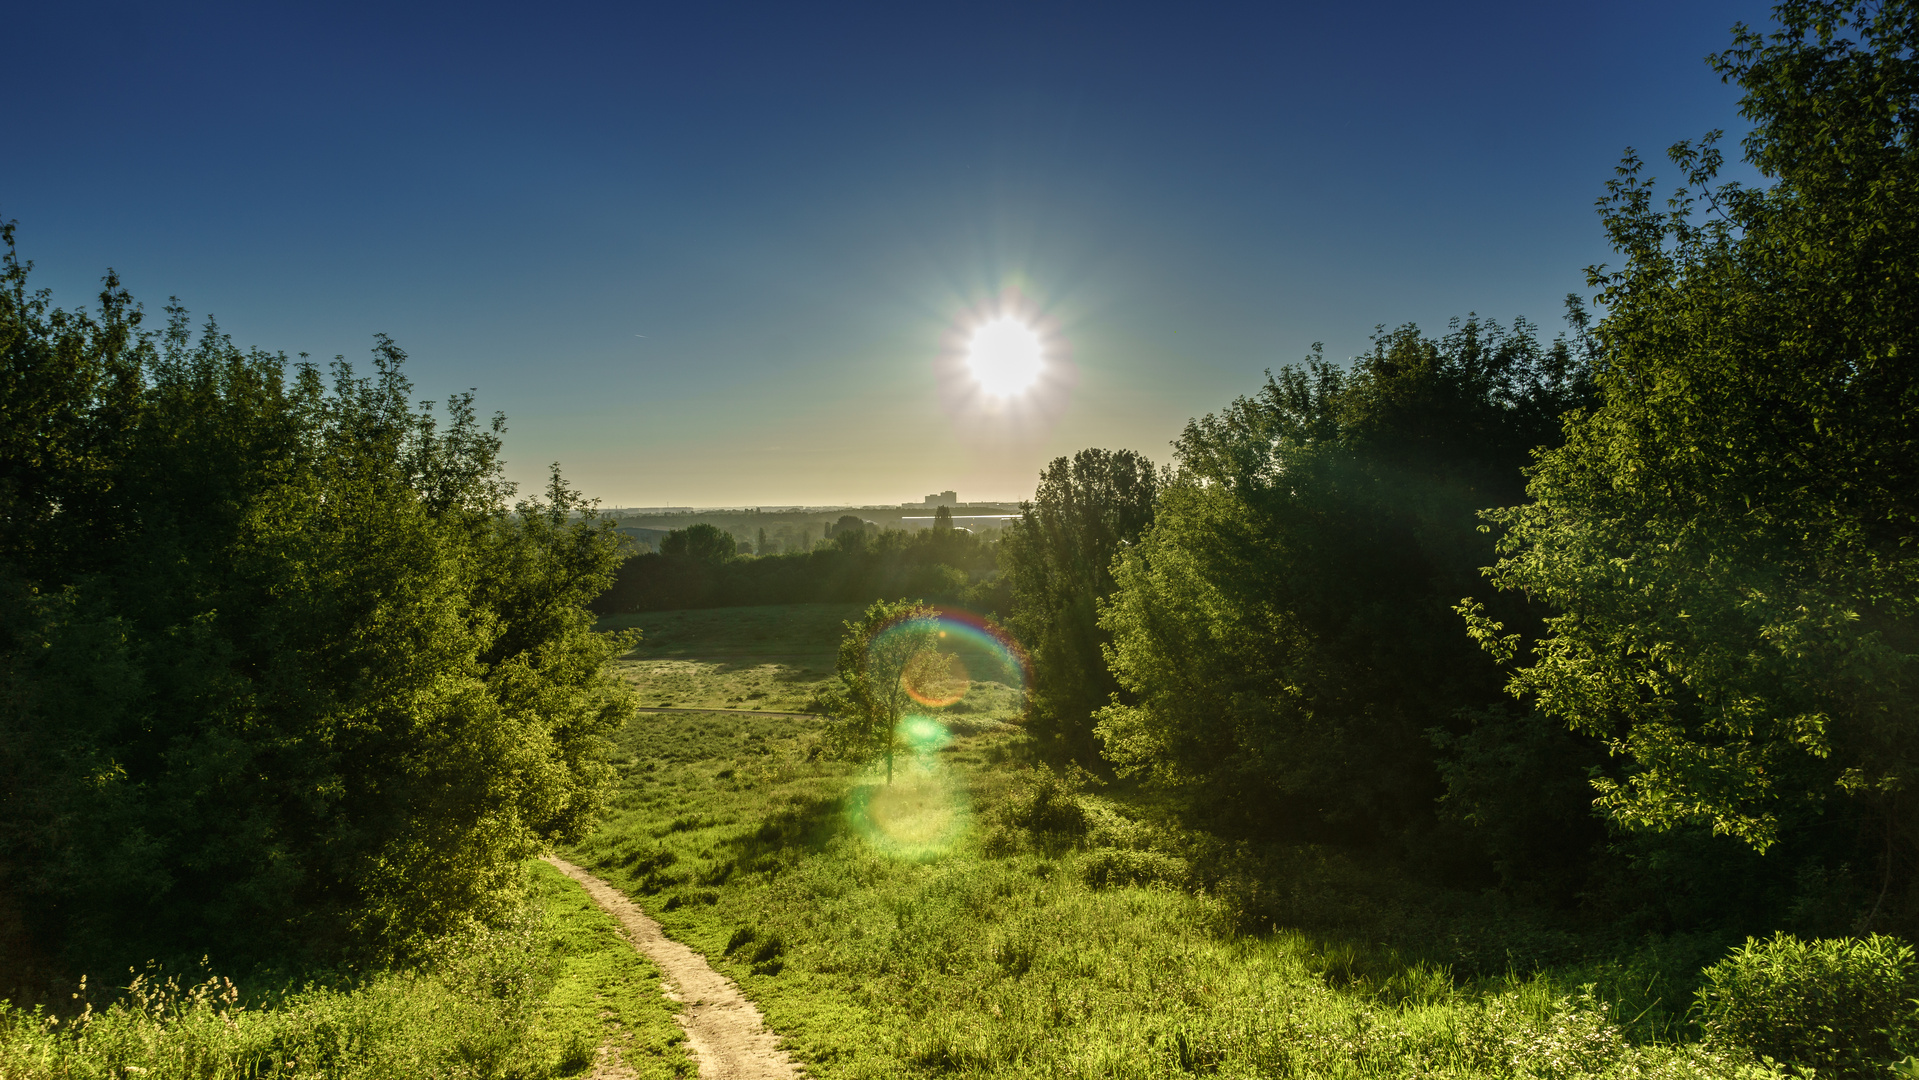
column 875, row 656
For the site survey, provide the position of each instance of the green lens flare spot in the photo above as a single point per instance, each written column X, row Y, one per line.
column 920, row 815
column 924, row 735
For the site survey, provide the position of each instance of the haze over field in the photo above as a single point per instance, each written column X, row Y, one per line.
column 730, row 256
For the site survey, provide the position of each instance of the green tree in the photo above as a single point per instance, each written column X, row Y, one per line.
column 1284, row 628
column 875, row 658
column 702, row 541
column 849, row 533
column 943, row 519
column 1731, row 537
column 283, row 669
column 1058, row 557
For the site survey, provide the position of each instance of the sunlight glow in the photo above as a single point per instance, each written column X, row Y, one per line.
column 1005, row 356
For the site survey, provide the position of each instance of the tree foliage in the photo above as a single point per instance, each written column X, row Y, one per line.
column 934, row 563
column 1284, row 625
column 282, row 668
column 700, row 540
column 1729, row 536
column 1058, row 557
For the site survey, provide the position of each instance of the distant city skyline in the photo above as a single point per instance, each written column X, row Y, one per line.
column 735, row 256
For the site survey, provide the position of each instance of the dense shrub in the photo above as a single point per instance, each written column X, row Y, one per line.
column 1058, row 559
column 283, row 667
column 1727, row 539
column 1837, row 1003
column 1284, row 632
column 1048, row 806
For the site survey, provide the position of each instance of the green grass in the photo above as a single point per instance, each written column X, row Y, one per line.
column 980, row 919
column 605, row 996
column 773, row 658
column 533, row 1001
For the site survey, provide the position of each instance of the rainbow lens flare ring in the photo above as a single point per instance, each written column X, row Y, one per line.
column 925, row 811
column 966, row 648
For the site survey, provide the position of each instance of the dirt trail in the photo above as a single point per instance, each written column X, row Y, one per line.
column 724, row 1030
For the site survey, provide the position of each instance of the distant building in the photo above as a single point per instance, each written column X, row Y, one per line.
column 945, row 498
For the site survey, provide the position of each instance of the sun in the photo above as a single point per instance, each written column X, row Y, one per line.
column 1005, row 356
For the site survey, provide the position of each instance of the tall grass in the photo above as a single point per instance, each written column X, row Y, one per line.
column 537, row 998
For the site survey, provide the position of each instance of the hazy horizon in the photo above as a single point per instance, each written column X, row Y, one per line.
column 793, row 507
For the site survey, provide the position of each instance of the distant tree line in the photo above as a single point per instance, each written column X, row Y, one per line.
column 700, row 566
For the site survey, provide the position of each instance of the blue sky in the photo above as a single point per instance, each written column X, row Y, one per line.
column 724, row 254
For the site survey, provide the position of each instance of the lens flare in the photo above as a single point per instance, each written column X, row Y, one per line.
column 920, row 815
column 959, row 654
column 924, row 735
column 936, row 679
column 959, row 662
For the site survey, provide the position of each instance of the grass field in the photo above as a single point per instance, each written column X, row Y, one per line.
column 776, row 658
column 547, row 998
column 772, row 658
column 980, row 917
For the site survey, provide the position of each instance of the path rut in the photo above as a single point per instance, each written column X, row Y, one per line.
column 724, row 1030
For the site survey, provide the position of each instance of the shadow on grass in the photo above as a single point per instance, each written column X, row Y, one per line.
column 648, row 865
column 803, row 828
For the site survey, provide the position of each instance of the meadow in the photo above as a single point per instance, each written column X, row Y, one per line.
column 772, row 658
column 985, row 916
column 775, row 658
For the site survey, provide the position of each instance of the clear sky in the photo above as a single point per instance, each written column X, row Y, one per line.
column 716, row 254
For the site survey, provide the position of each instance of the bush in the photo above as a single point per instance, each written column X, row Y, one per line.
column 1834, row 1004
column 1048, row 807
column 1111, row 867
column 286, row 671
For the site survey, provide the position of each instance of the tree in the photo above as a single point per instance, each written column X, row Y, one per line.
column 702, row 541
column 1058, row 558
column 284, row 670
column 943, row 519
column 1731, row 537
column 1284, row 630
column 876, row 656
column 849, row 533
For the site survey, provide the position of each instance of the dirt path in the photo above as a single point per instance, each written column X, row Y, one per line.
column 724, row 1030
